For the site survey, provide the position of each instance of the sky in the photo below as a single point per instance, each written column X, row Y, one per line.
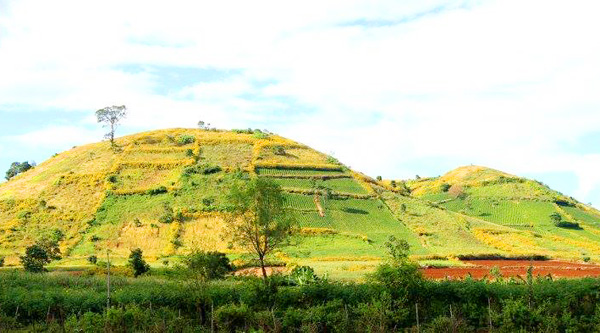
column 392, row 88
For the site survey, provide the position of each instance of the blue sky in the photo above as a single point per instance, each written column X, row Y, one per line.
column 391, row 88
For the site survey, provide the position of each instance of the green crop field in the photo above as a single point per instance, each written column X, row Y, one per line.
column 298, row 172
column 583, row 216
column 505, row 212
column 344, row 185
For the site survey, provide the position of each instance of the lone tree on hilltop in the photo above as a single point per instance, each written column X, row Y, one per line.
column 17, row 168
column 110, row 116
column 259, row 221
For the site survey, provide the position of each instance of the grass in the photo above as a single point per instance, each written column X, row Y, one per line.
column 293, row 155
column 227, row 155
column 146, row 179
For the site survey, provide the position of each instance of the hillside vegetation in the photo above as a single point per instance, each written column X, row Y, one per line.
column 164, row 192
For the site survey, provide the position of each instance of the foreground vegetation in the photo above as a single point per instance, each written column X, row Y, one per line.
column 60, row 301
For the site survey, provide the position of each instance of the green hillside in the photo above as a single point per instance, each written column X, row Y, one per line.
column 164, row 192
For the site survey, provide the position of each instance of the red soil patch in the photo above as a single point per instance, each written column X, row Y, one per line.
column 481, row 268
column 256, row 271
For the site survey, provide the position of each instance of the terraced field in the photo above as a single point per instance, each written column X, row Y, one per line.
column 166, row 193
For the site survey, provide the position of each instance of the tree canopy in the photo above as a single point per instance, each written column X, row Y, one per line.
column 111, row 116
column 17, row 168
column 259, row 221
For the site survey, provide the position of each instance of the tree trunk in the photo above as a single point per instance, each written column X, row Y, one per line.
column 262, row 267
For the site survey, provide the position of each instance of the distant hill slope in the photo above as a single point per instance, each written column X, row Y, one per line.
column 164, row 191
column 528, row 207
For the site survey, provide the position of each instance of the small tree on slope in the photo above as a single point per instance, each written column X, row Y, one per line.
column 137, row 263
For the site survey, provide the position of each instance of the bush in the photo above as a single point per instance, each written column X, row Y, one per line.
column 208, row 265
column 1, row 261
column 158, row 190
column 167, row 215
column 303, row 275
column 92, row 259
column 137, row 263
column 568, row 225
column 279, row 150
column 201, row 169
column 445, row 187
column 558, row 221
column 185, row 139
column 258, row 134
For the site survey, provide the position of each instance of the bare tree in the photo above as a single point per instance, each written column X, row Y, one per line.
column 110, row 116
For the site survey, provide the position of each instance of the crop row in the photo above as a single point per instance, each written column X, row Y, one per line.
column 506, row 212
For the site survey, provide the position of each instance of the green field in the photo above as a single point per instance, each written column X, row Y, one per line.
column 297, row 172
column 343, row 185
column 510, row 213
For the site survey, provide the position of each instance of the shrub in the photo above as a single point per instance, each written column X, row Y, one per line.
column 332, row 160
column 189, row 153
column 233, row 318
column 92, row 259
column 1, row 261
column 558, row 221
column 208, row 265
column 185, row 139
column 303, row 275
column 137, row 263
column 445, row 187
column 158, row 190
column 278, row 150
column 568, row 225
column 111, row 178
column 201, row 169
column 258, row 134
column 379, row 178
column 167, row 215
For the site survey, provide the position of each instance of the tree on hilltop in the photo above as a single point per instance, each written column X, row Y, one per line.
column 259, row 221
column 17, row 168
column 110, row 116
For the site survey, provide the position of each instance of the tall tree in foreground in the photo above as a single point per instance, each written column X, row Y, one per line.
column 110, row 116
column 259, row 221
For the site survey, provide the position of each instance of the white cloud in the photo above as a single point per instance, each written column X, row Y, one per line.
column 57, row 137
column 502, row 83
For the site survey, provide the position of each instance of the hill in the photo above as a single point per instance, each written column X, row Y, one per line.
column 164, row 191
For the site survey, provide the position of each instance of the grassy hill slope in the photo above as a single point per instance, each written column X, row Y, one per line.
column 527, row 207
column 164, row 191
